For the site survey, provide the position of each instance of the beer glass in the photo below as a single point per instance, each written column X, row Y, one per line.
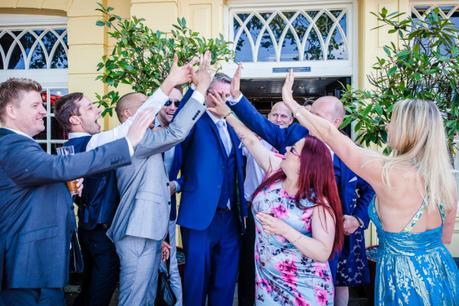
column 71, row 185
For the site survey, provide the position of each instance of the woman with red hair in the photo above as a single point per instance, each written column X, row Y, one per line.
column 298, row 219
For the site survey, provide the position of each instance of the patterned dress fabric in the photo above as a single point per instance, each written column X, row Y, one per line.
column 414, row 268
column 284, row 276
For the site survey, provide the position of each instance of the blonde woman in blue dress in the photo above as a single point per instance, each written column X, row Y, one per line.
column 415, row 205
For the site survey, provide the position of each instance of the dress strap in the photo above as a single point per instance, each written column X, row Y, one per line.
column 417, row 216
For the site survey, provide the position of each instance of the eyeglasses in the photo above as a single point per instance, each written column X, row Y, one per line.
column 169, row 103
column 294, row 151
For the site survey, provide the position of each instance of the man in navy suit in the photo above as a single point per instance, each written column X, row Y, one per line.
column 37, row 223
column 212, row 209
column 350, row 267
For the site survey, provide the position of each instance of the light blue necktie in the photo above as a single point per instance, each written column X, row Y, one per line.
column 221, row 125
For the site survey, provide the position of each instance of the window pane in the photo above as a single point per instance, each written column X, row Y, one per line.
column 59, row 58
column 289, row 50
column 336, row 48
column 266, row 52
column 56, row 93
column 254, row 26
column 277, row 25
column 313, row 49
column 243, row 49
column 301, row 24
column 16, row 60
column 38, row 59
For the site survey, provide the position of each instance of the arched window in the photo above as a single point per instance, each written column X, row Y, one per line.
column 315, row 40
column 36, row 47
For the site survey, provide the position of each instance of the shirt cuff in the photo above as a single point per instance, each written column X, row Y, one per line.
column 131, row 148
column 233, row 101
column 198, row 97
column 177, row 186
column 360, row 221
column 158, row 95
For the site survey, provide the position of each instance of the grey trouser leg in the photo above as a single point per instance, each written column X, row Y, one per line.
column 139, row 264
column 176, row 283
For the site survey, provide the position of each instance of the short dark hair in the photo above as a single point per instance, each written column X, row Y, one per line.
column 12, row 90
column 67, row 107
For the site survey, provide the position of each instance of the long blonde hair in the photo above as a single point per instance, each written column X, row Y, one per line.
column 417, row 137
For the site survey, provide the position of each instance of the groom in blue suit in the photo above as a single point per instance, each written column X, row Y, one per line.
column 213, row 209
column 350, row 267
column 37, row 222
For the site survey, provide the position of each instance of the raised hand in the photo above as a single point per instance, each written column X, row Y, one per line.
column 203, row 76
column 287, row 91
column 235, row 88
column 220, row 108
column 139, row 126
column 178, row 75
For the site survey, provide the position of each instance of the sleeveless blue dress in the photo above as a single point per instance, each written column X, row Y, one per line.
column 414, row 268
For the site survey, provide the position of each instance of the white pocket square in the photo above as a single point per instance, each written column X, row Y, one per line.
column 353, row 179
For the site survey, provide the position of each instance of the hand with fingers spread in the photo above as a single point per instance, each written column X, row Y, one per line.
column 235, row 88
column 139, row 126
column 178, row 75
column 220, row 109
column 203, row 76
column 287, row 92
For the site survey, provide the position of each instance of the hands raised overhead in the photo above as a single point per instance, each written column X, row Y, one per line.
column 235, row 88
column 178, row 75
column 203, row 76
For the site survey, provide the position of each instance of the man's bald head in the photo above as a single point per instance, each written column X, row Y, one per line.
column 281, row 115
column 128, row 104
column 329, row 108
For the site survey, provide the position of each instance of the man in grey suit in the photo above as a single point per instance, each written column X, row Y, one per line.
column 141, row 220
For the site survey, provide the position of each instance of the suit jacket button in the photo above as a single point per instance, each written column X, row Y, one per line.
column 169, row 202
column 167, row 184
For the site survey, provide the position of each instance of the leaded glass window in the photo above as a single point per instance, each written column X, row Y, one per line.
column 38, row 48
column 290, row 35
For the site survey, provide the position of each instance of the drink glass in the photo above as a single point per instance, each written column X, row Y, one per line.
column 64, row 151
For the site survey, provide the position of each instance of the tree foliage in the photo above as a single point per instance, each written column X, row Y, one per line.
column 423, row 65
column 142, row 57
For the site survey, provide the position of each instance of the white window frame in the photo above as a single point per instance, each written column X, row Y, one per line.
column 318, row 68
column 48, row 78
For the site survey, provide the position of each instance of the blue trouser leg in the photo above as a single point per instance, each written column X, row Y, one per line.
column 32, row 297
column 246, row 279
column 225, row 262
column 212, row 257
column 101, row 268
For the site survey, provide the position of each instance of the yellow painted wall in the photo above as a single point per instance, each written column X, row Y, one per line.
column 87, row 42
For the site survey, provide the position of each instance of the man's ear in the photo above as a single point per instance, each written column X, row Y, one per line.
column 10, row 111
column 74, row 120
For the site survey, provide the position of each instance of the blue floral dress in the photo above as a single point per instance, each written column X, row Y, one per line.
column 284, row 276
column 414, row 268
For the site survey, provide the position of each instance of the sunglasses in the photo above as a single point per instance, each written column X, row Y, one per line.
column 169, row 103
